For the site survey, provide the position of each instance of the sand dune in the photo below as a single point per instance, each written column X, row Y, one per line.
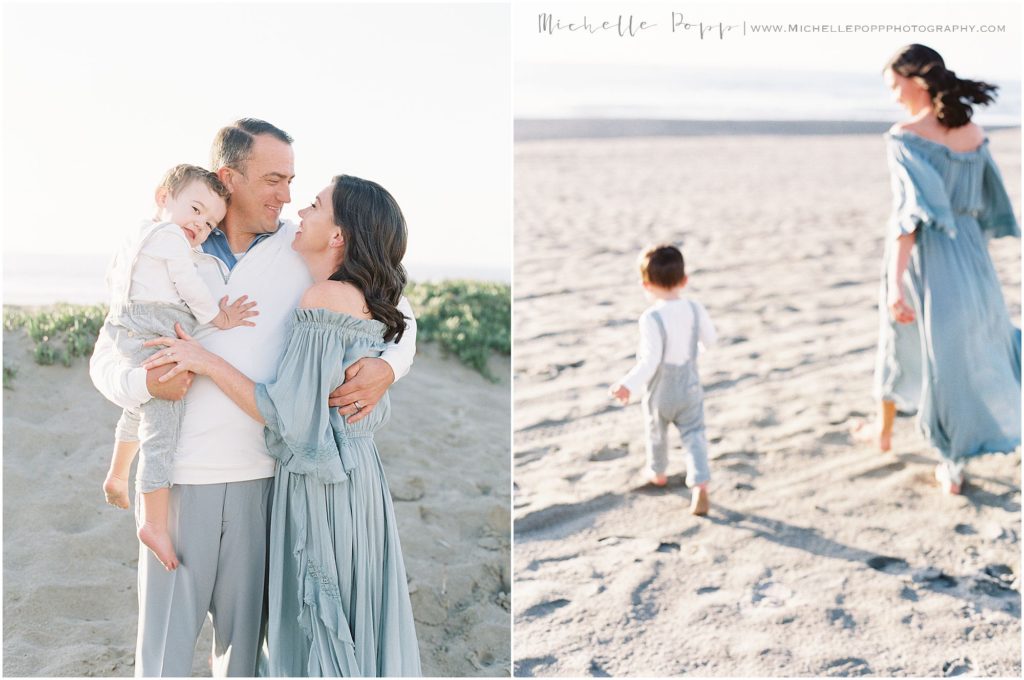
column 70, row 600
column 820, row 556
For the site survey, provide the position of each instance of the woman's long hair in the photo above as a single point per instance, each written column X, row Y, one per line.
column 375, row 239
column 952, row 97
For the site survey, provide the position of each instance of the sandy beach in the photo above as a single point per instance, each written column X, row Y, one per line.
column 70, row 596
column 820, row 556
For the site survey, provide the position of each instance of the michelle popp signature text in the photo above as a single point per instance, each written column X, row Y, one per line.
column 631, row 26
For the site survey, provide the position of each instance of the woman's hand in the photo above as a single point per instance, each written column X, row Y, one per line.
column 186, row 353
column 900, row 311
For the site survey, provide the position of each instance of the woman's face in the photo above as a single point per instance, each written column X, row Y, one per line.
column 907, row 92
column 317, row 230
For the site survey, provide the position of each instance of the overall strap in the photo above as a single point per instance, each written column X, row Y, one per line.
column 694, row 332
column 664, row 346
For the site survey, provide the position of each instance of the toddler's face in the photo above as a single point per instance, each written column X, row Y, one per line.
column 196, row 209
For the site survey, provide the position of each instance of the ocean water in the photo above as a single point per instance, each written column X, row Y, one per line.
column 571, row 91
column 34, row 279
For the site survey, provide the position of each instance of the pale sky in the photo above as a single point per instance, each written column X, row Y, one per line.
column 100, row 99
column 994, row 54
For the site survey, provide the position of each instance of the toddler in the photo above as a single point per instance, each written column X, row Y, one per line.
column 154, row 284
column 666, row 371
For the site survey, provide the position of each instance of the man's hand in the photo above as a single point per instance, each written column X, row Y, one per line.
column 366, row 381
column 172, row 390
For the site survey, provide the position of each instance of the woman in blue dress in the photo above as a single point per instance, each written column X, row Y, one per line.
column 338, row 598
column 947, row 347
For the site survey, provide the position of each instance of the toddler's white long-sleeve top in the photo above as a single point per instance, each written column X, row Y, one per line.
column 165, row 271
column 677, row 315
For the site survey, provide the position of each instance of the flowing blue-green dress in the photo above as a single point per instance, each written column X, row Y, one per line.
column 958, row 363
column 338, row 598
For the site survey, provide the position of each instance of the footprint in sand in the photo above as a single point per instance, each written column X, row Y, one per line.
column 643, row 598
column 958, row 666
column 933, row 577
column 408, row 490
column 766, row 419
column 993, row 589
column 770, row 594
column 1000, row 571
column 526, row 667
column 545, row 608
column 880, row 471
column 742, row 468
column 608, row 453
column 908, row 593
column 846, row 666
column 554, row 370
column 841, row 618
column 888, row 565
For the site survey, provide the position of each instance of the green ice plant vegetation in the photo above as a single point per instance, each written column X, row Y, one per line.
column 468, row 319
column 10, row 373
column 60, row 333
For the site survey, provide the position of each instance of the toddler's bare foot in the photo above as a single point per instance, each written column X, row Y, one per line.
column 864, row 432
column 657, row 480
column 700, row 502
column 947, row 483
column 115, row 488
column 159, row 542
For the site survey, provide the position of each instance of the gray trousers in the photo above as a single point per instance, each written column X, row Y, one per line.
column 157, row 423
column 220, row 534
column 677, row 398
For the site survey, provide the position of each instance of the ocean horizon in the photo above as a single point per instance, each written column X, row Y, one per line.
column 34, row 279
column 536, row 129
column 688, row 93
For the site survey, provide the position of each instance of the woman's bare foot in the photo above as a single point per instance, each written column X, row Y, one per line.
column 159, row 542
column 657, row 480
column 947, row 483
column 700, row 502
column 115, row 488
column 865, row 432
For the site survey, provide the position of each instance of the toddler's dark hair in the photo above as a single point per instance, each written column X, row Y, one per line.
column 663, row 266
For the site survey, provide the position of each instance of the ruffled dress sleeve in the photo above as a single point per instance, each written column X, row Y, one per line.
column 920, row 198
column 997, row 219
column 299, row 430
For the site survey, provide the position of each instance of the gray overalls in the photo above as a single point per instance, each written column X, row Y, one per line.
column 675, row 395
column 157, row 423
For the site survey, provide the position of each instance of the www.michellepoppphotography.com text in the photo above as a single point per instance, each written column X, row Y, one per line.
column 633, row 26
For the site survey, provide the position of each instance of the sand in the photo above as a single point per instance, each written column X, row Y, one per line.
column 820, row 556
column 70, row 596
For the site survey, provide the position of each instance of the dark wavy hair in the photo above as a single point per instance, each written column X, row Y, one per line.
column 375, row 240
column 952, row 97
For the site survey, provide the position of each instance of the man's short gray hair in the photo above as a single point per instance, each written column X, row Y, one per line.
column 233, row 144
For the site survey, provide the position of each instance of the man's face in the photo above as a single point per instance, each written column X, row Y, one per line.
column 258, row 194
